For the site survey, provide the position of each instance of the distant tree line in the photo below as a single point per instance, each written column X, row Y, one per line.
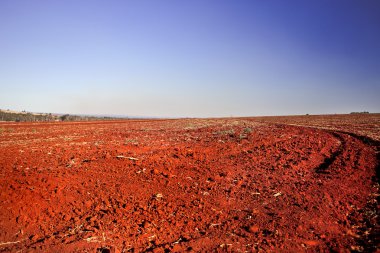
column 365, row 112
column 25, row 116
column 68, row 117
column 33, row 117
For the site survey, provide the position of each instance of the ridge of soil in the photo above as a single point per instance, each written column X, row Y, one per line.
column 225, row 185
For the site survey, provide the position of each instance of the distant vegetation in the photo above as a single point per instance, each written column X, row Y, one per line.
column 359, row 112
column 7, row 115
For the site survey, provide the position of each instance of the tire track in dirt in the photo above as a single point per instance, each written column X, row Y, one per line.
column 349, row 154
column 368, row 236
column 368, row 227
column 324, row 166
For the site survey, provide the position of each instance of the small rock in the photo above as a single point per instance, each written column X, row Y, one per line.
column 177, row 248
column 158, row 250
column 311, row 243
column 33, row 238
column 253, row 229
column 158, row 196
column 88, row 203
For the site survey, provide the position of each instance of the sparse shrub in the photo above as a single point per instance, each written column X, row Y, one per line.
column 229, row 132
column 64, row 117
column 131, row 141
column 243, row 136
column 247, row 130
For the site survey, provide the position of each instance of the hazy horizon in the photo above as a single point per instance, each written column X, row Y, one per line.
column 181, row 117
column 190, row 59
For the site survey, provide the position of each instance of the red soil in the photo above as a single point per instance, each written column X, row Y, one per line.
column 234, row 185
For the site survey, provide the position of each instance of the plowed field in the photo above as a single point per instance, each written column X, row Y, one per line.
column 225, row 185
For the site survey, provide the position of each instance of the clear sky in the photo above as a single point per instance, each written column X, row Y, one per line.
column 190, row 58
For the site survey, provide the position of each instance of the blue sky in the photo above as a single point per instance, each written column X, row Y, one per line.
column 190, row 58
